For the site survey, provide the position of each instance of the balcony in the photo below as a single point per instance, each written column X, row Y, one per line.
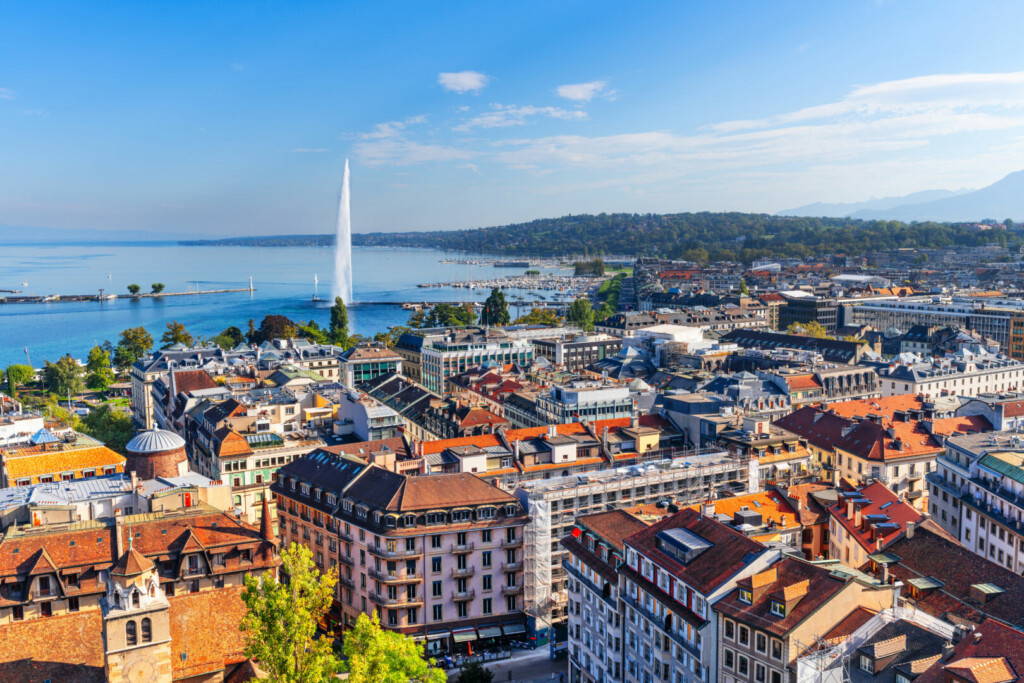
column 512, row 567
column 462, row 548
column 395, row 554
column 511, row 543
column 346, row 559
column 511, row 590
column 344, row 535
column 914, row 495
column 345, row 581
column 397, row 577
column 463, row 596
column 398, row 601
column 463, row 573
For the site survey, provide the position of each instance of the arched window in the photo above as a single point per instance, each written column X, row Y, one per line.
column 135, row 598
column 130, row 636
column 147, row 630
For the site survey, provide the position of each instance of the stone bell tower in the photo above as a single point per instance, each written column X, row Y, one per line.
column 136, row 621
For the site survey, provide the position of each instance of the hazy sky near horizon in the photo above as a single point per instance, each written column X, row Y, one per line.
column 233, row 118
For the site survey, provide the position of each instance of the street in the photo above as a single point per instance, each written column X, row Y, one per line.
column 529, row 667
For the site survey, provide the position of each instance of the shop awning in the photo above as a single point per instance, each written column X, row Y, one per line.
column 489, row 631
column 419, row 639
column 464, row 635
column 438, row 635
column 782, row 466
column 513, row 629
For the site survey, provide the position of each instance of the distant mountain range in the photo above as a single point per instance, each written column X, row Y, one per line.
column 1001, row 200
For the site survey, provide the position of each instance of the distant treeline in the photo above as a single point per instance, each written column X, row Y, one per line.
column 265, row 241
column 695, row 236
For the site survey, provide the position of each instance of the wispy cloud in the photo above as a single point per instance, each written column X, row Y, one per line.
column 584, row 92
column 504, row 115
column 388, row 144
column 390, row 129
column 6, row 94
column 463, row 81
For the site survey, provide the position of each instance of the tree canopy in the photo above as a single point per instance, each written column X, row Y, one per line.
column 444, row 315
column 375, row 655
column 17, row 375
column 274, row 327
column 64, row 377
column 811, row 328
column 157, row 287
column 135, row 343
column 134, row 289
column 176, row 334
column 540, row 316
column 111, row 426
column 581, row 314
column 338, row 329
column 495, row 310
column 100, row 376
column 280, row 624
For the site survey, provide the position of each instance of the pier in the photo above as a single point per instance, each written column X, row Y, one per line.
column 70, row 298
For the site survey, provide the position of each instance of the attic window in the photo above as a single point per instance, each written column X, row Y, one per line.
column 777, row 608
column 746, row 596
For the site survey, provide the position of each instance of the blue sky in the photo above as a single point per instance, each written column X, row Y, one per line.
column 235, row 118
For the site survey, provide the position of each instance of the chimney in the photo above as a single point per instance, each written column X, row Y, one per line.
column 118, row 528
column 947, row 651
column 849, row 509
column 552, row 431
column 977, row 637
column 266, row 524
column 708, row 509
column 858, row 518
column 911, row 526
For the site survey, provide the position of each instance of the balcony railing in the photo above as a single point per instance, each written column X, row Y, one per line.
column 345, row 559
column 463, row 573
column 512, row 590
column 397, row 553
column 512, row 542
column 463, row 596
column 462, row 548
column 512, row 566
column 395, row 577
column 395, row 601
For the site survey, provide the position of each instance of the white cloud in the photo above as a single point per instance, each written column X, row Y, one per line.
column 399, row 151
column 6, row 94
column 503, row 115
column 463, row 81
column 390, row 129
column 584, row 92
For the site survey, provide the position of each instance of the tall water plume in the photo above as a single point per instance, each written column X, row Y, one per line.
column 343, row 245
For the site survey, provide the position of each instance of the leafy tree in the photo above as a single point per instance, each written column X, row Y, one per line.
column 157, row 287
column 313, row 332
column 390, row 338
column 809, row 329
column 229, row 338
column 449, row 315
column 135, row 343
column 99, row 376
column 495, row 311
column 64, row 377
column 275, row 327
column 744, row 289
column 418, row 319
column 374, row 655
column 339, row 322
column 593, row 268
column 18, row 375
column 280, row 624
column 134, row 289
column 111, row 426
column 540, row 316
column 176, row 334
column 581, row 314
column 474, row 672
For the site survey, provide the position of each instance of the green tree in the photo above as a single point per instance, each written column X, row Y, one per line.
column 744, row 289
column 135, row 343
column 374, row 655
column 540, row 316
column 449, row 315
column 99, row 375
column 157, row 287
column 474, row 672
column 280, row 624
column 495, row 311
column 339, row 322
column 17, row 375
column 176, row 334
column 418, row 319
column 64, row 377
column 390, row 338
column 581, row 314
column 276, row 327
column 313, row 332
column 109, row 425
column 229, row 338
column 134, row 289
column 809, row 329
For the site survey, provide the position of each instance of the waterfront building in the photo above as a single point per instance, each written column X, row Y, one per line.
column 368, row 361
column 576, row 352
column 135, row 597
column 439, row 557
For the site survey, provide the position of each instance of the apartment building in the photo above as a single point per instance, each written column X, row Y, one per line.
column 964, row 373
column 554, row 504
column 675, row 573
column 453, row 354
column 977, row 495
column 55, row 454
column 773, row 617
column 438, row 557
column 142, row 597
column 576, row 352
column 368, row 361
column 595, row 551
column 585, row 400
column 866, row 521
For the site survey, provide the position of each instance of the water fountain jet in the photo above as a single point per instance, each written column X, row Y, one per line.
column 343, row 244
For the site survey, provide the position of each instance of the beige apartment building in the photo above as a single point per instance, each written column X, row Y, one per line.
column 439, row 557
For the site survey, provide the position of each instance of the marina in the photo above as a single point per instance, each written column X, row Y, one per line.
column 73, row 298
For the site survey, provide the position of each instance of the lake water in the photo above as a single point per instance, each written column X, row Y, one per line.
column 283, row 279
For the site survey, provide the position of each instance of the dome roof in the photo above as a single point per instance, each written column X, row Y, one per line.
column 155, row 441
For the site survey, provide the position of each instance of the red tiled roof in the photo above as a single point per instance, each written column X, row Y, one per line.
column 186, row 381
column 973, row 656
column 897, row 511
column 802, row 382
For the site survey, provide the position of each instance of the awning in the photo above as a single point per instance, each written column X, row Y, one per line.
column 419, row 639
column 464, row 635
column 513, row 629
column 489, row 631
column 782, row 466
column 437, row 635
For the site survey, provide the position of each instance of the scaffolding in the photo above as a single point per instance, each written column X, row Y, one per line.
column 537, row 565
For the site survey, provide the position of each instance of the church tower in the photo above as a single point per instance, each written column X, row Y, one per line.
column 136, row 622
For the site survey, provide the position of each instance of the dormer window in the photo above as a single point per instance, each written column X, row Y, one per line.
column 409, row 520
column 305, row 489
column 331, row 499
column 777, row 608
column 511, row 510
column 485, row 513
column 746, row 596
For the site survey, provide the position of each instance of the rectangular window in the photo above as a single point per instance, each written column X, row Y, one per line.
column 730, row 629
column 487, row 582
column 744, row 635
column 760, row 642
column 435, row 565
column 487, row 606
column 461, row 610
column 435, row 589
column 72, row 604
column 438, row 612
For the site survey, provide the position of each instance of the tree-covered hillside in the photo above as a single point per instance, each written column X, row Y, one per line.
column 696, row 236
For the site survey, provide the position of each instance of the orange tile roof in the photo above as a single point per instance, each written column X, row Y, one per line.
column 772, row 506
column 802, row 382
column 39, row 464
